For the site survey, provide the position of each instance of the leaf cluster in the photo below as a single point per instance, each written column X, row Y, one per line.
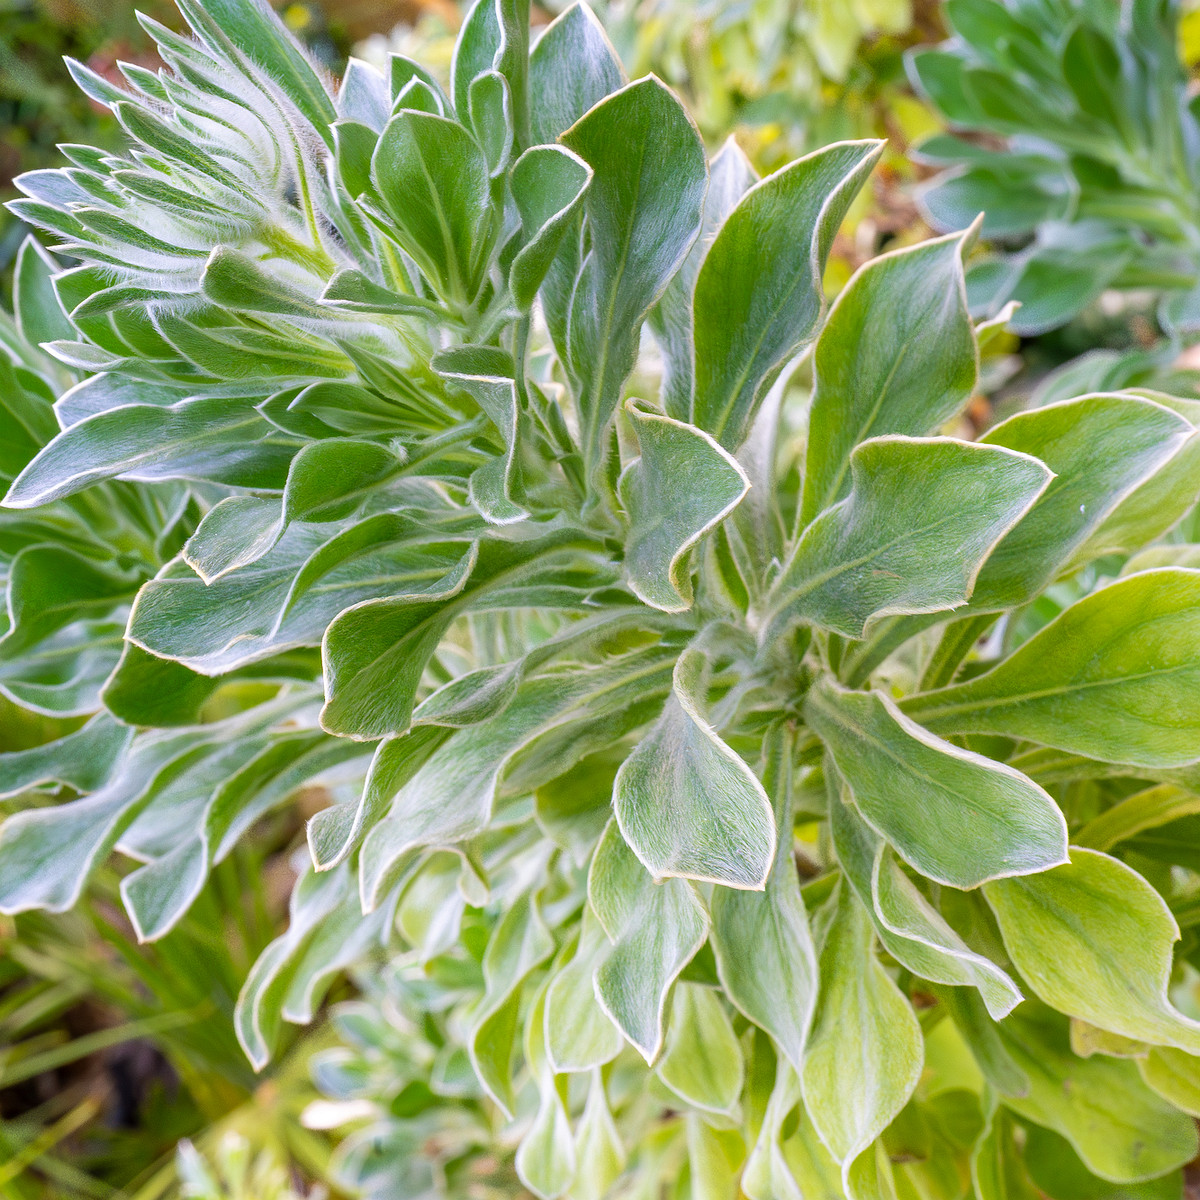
column 433, row 455
column 1074, row 130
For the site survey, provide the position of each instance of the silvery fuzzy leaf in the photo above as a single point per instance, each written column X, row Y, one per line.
column 688, row 805
column 910, row 786
column 758, row 293
column 643, row 211
column 665, row 521
column 83, row 760
column 888, row 550
column 655, row 929
column 865, row 1051
column 518, row 943
column 910, row 929
column 762, row 942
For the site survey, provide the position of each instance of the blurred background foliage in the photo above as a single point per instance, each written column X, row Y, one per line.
column 119, row 1072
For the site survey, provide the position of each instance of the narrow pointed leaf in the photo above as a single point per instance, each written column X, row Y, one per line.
column 702, row 1061
column 655, row 928
column 643, row 212
column 865, row 1051
column 759, row 292
column 1116, row 676
column 763, row 945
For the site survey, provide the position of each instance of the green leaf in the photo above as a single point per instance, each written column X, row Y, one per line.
column 686, row 803
column 235, row 532
column 384, row 644
column 83, row 760
column 329, row 480
column 289, row 596
column 714, row 1156
column 1093, row 939
column 571, row 69
column 249, row 28
column 50, row 587
column 599, row 1151
column 1174, row 1075
column 910, row 928
column 911, row 787
column 1114, row 677
column 518, row 944
column 702, row 1061
column 474, row 52
column 643, row 212
column 375, row 652
column 548, row 186
column 666, row 521
column 763, row 946
column 451, row 796
column 1147, row 809
column 655, row 928
column 545, row 1159
column 1121, row 1130
column 789, row 1167
column 47, row 854
column 1057, row 1170
column 211, row 438
column 326, row 931
column 1136, row 440
column 579, row 1034
column 28, row 418
column 897, row 355
column 1151, row 509
column 888, row 549
column 759, row 292
column 996, row 1167
column 363, row 94
column 731, row 175
column 334, row 832
column 865, row 1051
column 433, row 179
column 487, row 375
column 491, row 119
column 40, row 316
column 351, row 289
column 234, row 280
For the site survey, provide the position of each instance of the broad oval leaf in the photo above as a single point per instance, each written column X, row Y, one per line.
column 1093, row 939
column 687, row 804
column 889, row 549
column 1121, row 1130
column 911, row 787
column 666, row 520
column 1133, row 436
column 433, row 180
